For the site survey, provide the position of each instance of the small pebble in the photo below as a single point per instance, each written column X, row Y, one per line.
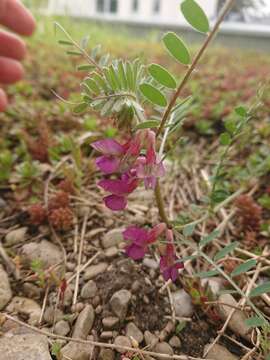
column 62, row 328
column 122, row 341
column 94, row 270
column 89, row 290
column 175, row 342
column 110, row 322
column 106, row 354
column 134, row 332
column 106, row 335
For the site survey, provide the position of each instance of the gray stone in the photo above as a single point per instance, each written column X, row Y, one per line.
column 52, row 314
column 3, row 204
column 84, row 323
column 94, row 270
column 46, row 252
column 237, row 323
column 122, row 341
column 89, row 290
column 150, row 339
column 163, row 348
column 31, row 290
column 106, row 354
column 214, row 284
column 182, row 303
column 111, row 252
column 15, row 237
column 219, row 352
column 27, row 307
column 5, row 290
column 150, row 263
column 134, row 332
column 24, row 347
column 175, row 342
column 112, row 238
column 119, row 303
column 62, row 328
column 106, row 335
column 68, row 296
column 110, row 322
column 76, row 351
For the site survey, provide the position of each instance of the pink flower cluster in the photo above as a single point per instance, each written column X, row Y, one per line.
column 139, row 241
column 124, row 168
column 130, row 163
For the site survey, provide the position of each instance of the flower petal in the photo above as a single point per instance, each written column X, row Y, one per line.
column 136, row 234
column 107, row 164
column 108, row 147
column 135, row 252
column 118, row 187
column 115, row 203
column 173, row 273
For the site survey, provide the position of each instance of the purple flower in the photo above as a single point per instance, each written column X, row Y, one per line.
column 139, row 239
column 116, row 157
column 149, row 167
column 119, row 189
column 112, row 152
column 169, row 262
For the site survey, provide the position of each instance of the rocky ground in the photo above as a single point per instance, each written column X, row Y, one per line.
column 67, row 289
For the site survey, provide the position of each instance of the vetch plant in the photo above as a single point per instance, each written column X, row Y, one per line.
column 124, row 90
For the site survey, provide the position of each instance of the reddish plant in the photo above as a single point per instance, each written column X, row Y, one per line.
column 59, row 200
column 39, row 147
column 61, row 218
column 67, row 186
column 37, row 214
column 250, row 213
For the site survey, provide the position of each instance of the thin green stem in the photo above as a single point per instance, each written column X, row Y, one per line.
column 230, row 280
column 192, row 67
column 160, row 205
column 83, row 52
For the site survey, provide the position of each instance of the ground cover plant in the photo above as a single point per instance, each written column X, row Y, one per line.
column 205, row 155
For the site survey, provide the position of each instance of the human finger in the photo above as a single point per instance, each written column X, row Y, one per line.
column 11, row 46
column 10, row 70
column 16, row 17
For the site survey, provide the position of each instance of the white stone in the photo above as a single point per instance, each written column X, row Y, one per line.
column 237, row 323
column 5, row 290
column 182, row 303
column 219, row 352
column 24, row 347
column 16, row 236
column 46, row 252
column 27, row 307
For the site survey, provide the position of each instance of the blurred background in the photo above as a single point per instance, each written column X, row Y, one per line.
column 248, row 24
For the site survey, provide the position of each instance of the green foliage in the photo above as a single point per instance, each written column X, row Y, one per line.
column 177, row 48
column 260, row 289
column 161, row 75
column 243, row 268
column 153, row 95
column 195, row 15
column 6, row 164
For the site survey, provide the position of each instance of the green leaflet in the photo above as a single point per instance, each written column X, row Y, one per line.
column 242, row 268
column 195, row 15
column 161, row 75
column 153, row 95
column 177, row 48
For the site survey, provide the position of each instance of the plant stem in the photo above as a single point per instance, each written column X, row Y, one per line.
column 83, row 52
column 160, row 205
column 230, row 280
column 192, row 67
